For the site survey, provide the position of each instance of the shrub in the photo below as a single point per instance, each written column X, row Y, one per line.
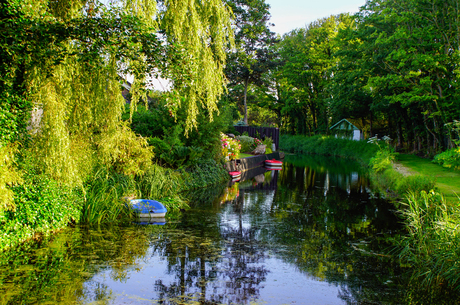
column 449, row 159
column 248, row 143
column 42, row 205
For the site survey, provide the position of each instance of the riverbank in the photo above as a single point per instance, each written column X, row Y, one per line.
column 43, row 206
column 431, row 220
column 447, row 181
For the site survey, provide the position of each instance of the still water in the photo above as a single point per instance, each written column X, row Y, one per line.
column 312, row 233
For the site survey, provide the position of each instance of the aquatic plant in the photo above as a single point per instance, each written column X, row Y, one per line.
column 431, row 246
column 360, row 151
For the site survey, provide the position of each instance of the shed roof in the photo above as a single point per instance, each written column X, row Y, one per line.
column 337, row 125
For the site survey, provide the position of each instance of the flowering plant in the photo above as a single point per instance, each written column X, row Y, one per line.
column 249, row 143
column 230, row 147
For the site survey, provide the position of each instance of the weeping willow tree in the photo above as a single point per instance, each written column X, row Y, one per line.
column 61, row 60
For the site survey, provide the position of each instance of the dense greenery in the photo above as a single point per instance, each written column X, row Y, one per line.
column 325, row 145
column 390, row 69
column 252, row 56
column 66, row 153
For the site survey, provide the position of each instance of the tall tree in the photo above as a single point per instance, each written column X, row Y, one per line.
column 415, row 48
column 252, row 56
column 308, row 56
column 63, row 58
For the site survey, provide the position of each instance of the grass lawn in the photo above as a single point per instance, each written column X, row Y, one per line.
column 447, row 180
column 243, row 155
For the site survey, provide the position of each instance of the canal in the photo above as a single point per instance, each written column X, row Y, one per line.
column 312, row 233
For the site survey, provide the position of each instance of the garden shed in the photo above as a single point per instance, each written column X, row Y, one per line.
column 345, row 129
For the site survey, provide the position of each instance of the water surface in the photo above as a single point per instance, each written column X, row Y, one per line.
column 312, row 233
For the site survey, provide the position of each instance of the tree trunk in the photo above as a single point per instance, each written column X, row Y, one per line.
column 245, row 118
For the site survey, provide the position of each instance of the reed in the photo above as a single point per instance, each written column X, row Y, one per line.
column 360, row 151
column 163, row 185
column 431, row 246
column 103, row 197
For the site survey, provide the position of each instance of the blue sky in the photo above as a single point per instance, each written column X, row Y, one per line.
column 292, row 14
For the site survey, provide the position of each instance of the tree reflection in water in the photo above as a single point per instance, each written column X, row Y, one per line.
column 225, row 269
column 276, row 237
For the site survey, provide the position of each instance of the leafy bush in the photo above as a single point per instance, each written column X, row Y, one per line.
column 248, row 143
column 449, row 159
column 42, row 205
column 173, row 154
column 205, row 173
column 382, row 160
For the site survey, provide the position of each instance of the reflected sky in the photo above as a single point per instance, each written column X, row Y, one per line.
column 311, row 233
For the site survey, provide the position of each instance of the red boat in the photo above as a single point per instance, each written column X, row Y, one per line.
column 273, row 164
column 236, row 176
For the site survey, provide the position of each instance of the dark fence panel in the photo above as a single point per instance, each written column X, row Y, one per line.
column 260, row 132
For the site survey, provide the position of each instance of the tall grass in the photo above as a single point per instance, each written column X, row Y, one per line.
column 104, row 194
column 360, row 151
column 432, row 245
column 163, row 185
column 103, row 197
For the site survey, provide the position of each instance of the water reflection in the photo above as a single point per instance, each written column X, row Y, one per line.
column 311, row 233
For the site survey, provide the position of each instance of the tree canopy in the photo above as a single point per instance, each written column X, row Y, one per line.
column 62, row 61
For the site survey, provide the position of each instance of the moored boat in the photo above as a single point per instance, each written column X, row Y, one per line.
column 236, row 176
column 147, row 208
column 273, row 164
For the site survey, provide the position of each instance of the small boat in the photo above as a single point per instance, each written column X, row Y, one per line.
column 273, row 164
column 236, row 176
column 147, row 208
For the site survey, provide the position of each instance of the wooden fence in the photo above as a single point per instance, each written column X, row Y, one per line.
column 260, row 132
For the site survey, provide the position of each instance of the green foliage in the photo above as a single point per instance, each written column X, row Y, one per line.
column 124, row 152
column 414, row 184
column 9, row 177
column 252, row 55
column 449, row 159
column 63, row 59
column 42, row 205
column 431, row 246
column 383, row 159
column 329, row 146
column 205, row 173
column 248, row 143
column 103, row 197
column 268, row 141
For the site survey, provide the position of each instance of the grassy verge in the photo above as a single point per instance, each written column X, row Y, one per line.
column 447, row 180
column 360, row 151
